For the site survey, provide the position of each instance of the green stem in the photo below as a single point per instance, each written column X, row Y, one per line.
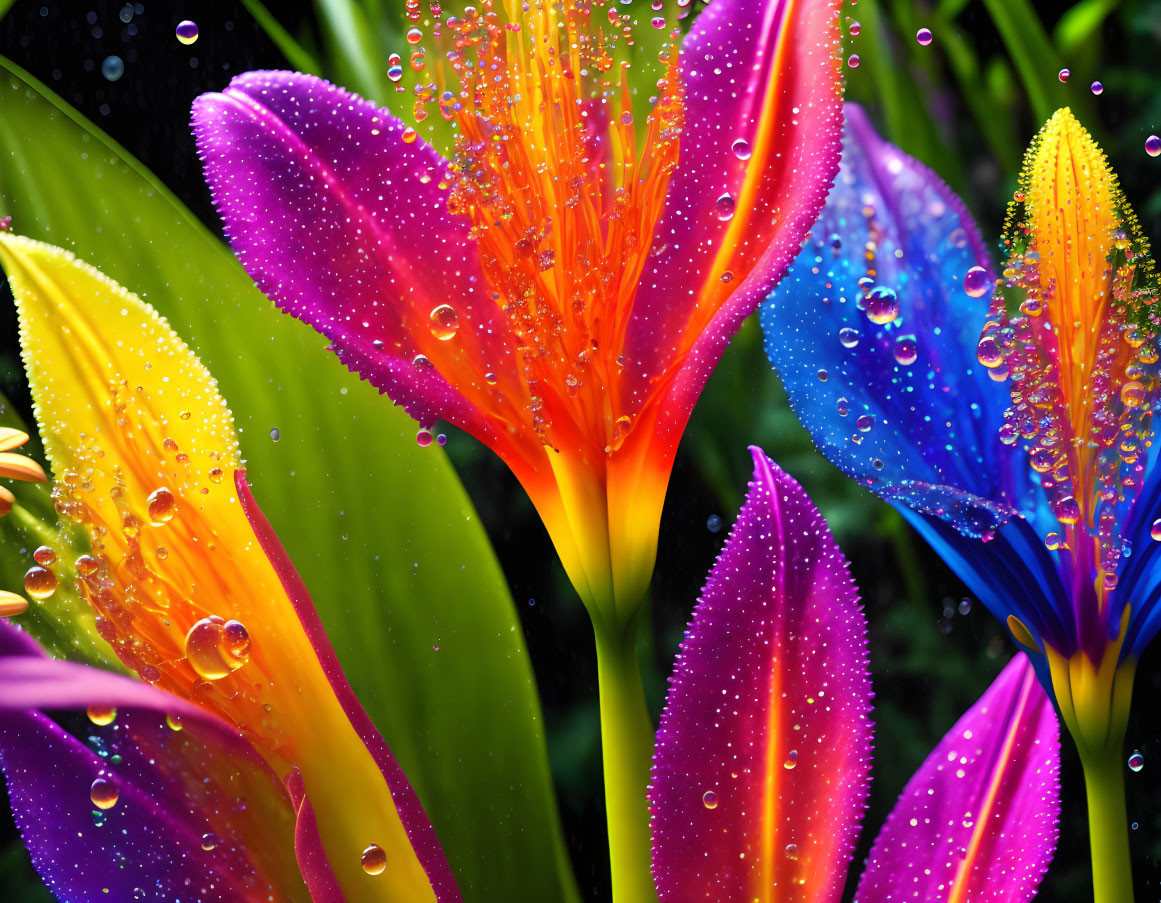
column 30, row 523
column 627, row 749
column 1108, row 827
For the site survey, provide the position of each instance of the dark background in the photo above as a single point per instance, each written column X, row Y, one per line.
column 929, row 661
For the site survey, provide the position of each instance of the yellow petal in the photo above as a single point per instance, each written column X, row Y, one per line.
column 19, row 467
column 12, row 604
column 10, row 438
column 143, row 450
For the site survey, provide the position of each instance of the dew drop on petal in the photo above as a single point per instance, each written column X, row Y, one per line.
column 445, row 322
column 215, row 647
column 1155, row 530
column 741, row 149
column 864, row 423
column 209, row 841
column 104, row 793
column 975, row 282
column 882, row 305
column 791, row 851
column 989, row 353
column 101, row 715
column 724, row 207
column 374, row 860
column 162, row 507
column 40, row 583
column 906, row 350
column 1136, row 761
column 791, row 760
column 186, row 31
column 848, row 337
column 709, row 799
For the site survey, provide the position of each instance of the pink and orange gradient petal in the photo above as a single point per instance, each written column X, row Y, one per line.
column 144, row 452
column 979, row 820
column 763, row 755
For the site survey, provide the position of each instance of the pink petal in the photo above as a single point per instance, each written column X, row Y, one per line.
column 764, row 72
column 343, row 224
column 978, row 820
column 761, row 766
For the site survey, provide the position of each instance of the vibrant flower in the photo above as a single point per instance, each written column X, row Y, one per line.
column 759, row 799
column 558, row 288
column 192, row 590
column 1041, row 493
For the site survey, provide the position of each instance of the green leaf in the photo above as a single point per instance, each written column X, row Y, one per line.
column 297, row 55
column 381, row 530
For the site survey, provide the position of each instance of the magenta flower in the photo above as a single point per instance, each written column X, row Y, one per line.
column 763, row 756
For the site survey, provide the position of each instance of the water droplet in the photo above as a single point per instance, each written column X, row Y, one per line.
column 1136, row 761
column 923, row 36
column 409, row 135
column 441, row 440
column 791, row 851
column 854, row 28
column 162, row 507
column 713, row 523
column 1097, row 88
column 864, row 423
column 395, row 72
column 1067, row 510
column 1155, row 530
column 989, row 353
column 186, row 31
column 853, row 61
column 374, row 860
column 445, row 322
column 209, row 841
column 882, row 305
column 1063, row 75
column 791, row 760
column 101, row 715
column 848, row 337
column 709, row 799
column 86, row 565
column 40, row 583
column 423, row 437
column 724, row 207
column 836, row 241
column 906, row 350
column 1133, row 394
column 104, row 793
column 975, row 282
column 216, row 647
column 414, row 36
column 965, row 606
column 275, row 435
column 1052, row 542
column 741, row 149
column 112, row 67
column 174, row 722
column 1153, row 146
column 216, row 474
column 44, row 555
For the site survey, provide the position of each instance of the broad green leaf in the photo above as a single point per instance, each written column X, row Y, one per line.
column 380, row 529
column 297, row 55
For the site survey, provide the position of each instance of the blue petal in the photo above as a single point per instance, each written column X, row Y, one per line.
column 1139, row 578
column 1012, row 574
column 923, row 434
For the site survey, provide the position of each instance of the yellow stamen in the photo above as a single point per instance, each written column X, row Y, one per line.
column 12, row 604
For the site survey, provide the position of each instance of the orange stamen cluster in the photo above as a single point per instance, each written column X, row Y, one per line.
column 562, row 203
column 1081, row 350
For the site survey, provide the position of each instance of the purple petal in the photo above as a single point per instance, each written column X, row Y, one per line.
column 178, row 792
column 765, row 73
column 978, row 820
column 343, row 224
column 420, row 833
column 761, row 766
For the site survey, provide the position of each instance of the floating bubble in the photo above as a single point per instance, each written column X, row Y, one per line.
column 906, row 350
column 1136, row 761
column 791, row 851
column 423, row 437
column 186, row 31
column 374, row 860
column 101, row 715
column 112, row 67
column 965, row 606
column 848, row 337
column 975, row 282
column 1063, row 75
column 989, row 353
column 741, row 149
column 1097, row 88
column 713, row 523
column 209, row 841
column 1153, row 146
column 724, row 207
column 923, row 36
column 104, row 793
column 414, row 36
column 709, row 799
column 215, row 647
